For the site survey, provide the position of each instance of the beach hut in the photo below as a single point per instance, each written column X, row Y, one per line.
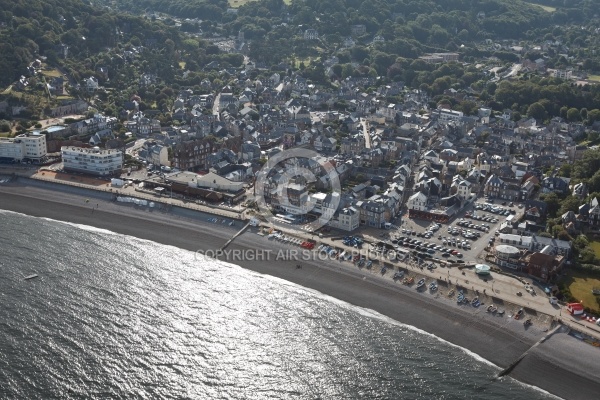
column 575, row 308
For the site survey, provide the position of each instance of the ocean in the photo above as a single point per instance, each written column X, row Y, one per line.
column 116, row 317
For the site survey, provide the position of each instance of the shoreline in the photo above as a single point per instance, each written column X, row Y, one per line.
column 487, row 337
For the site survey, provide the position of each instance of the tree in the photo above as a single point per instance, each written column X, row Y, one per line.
column 593, row 116
column 581, row 242
column 573, row 115
column 537, row 111
column 552, row 203
column 571, row 203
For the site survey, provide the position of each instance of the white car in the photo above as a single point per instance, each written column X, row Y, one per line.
column 553, row 300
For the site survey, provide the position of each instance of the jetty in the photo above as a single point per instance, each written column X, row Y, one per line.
column 234, row 236
column 512, row 366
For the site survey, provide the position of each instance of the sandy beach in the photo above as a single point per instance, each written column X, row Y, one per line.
column 499, row 340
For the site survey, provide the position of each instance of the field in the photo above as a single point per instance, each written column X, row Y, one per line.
column 239, row 3
column 52, row 73
column 546, row 8
column 581, row 288
column 596, row 247
column 595, row 78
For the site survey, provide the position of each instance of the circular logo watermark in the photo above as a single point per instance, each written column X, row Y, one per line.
column 298, row 187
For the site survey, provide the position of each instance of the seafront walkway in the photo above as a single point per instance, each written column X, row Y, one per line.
column 498, row 289
column 104, row 186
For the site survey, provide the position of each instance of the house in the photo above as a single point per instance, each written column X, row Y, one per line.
column 358, row 30
column 311, row 34
column 594, row 214
column 461, row 187
column 544, row 265
column 91, row 84
column 555, row 184
column 535, row 210
column 497, row 188
column 373, row 211
column 347, row 219
column 431, row 156
column 580, row 191
column 418, row 202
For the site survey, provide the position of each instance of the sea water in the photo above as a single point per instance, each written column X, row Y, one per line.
column 116, row 317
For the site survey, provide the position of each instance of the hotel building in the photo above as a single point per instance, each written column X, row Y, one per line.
column 93, row 161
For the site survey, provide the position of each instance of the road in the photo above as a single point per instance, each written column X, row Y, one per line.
column 365, row 125
column 136, row 147
column 215, row 108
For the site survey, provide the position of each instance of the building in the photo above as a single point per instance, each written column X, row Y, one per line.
column 418, row 202
column 311, row 34
column 537, row 243
column 193, row 154
column 436, row 58
column 447, row 115
column 347, row 219
column 507, row 256
column 210, row 186
column 155, row 153
column 544, row 264
column 93, row 161
column 24, row 147
column 562, row 74
column 498, row 188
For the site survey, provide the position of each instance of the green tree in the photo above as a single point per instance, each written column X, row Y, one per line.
column 571, row 203
column 537, row 111
column 552, row 203
column 573, row 115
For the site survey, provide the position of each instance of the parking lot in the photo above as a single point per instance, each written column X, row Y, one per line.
column 461, row 240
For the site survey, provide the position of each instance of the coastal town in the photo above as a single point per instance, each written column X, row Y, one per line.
column 435, row 162
column 468, row 185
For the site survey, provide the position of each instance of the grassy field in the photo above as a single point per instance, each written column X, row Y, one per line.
column 581, row 289
column 53, row 73
column 546, row 8
column 596, row 247
column 595, row 78
column 239, row 3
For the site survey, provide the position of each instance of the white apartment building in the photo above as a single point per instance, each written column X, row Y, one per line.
column 446, row 115
column 27, row 146
column 92, row 161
